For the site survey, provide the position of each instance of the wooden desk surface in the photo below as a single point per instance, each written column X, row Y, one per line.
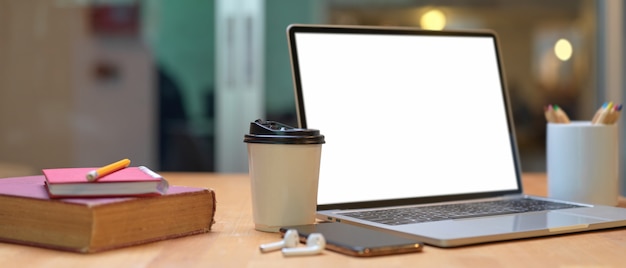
column 233, row 242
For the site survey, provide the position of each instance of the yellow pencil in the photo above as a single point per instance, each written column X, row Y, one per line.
column 108, row 169
column 613, row 115
column 601, row 118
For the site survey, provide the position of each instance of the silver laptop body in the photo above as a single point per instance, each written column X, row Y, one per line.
column 416, row 118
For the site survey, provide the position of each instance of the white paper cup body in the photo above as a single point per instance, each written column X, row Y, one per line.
column 583, row 162
column 284, row 180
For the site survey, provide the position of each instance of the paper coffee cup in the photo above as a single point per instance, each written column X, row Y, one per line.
column 284, row 167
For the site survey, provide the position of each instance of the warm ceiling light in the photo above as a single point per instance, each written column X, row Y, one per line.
column 563, row 49
column 434, row 19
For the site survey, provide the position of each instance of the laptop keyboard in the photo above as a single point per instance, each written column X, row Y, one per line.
column 399, row 216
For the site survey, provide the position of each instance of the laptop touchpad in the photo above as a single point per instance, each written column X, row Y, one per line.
column 552, row 220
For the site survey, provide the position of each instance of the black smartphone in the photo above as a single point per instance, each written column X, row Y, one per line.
column 358, row 241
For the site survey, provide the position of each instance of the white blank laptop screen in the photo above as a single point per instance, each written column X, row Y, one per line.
column 405, row 116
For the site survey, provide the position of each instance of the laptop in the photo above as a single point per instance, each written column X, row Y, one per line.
column 418, row 121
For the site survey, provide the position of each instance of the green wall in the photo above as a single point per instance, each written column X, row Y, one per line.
column 278, row 82
column 182, row 36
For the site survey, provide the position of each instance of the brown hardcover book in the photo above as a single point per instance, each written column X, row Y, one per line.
column 28, row 216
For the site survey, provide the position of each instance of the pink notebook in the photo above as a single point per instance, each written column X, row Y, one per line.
column 130, row 181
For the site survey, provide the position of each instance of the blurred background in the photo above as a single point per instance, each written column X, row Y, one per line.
column 173, row 85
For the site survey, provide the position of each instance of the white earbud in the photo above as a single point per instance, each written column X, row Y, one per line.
column 315, row 243
column 290, row 240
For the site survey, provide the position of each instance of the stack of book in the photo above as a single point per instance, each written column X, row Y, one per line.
column 55, row 210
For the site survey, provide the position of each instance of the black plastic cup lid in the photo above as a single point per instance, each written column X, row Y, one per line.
column 271, row 132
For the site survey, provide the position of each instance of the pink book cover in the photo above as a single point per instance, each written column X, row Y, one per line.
column 34, row 187
column 78, row 175
column 59, row 179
